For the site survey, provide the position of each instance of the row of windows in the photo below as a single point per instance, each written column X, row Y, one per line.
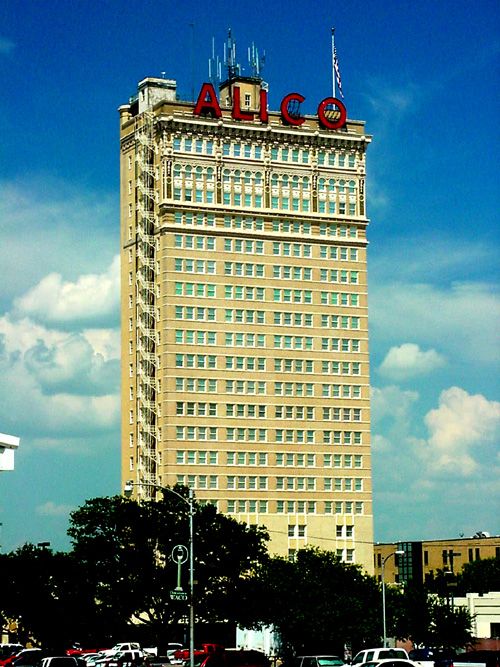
column 281, row 365
column 280, row 389
column 192, row 242
column 311, row 484
column 239, row 292
column 195, row 289
column 253, row 506
column 250, row 270
column 201, row 219
column 251, row 387
column 250, row 434
column 242, row 339
column 280, row 295
column 240, row 315
column 339, row 276
column 198, row 313
column 203, row 146
column 293, row 319
column 251, row 482
column 191, row 337
column 235, row 149
column 246, row 269
column 256, row 410
column 261, row 483
column 204, row 219
column 188, row 265
column 190, row 145
column 292, row 273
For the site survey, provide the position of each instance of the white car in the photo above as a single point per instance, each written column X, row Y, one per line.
column 376, row 654
column 390, row 662
column 124, row 646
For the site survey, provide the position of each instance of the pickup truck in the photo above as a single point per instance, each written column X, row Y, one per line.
column 436, row 658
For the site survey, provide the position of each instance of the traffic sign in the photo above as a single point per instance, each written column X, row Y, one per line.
column 178, row 595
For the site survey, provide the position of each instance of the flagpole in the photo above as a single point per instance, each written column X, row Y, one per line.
column 333, row 62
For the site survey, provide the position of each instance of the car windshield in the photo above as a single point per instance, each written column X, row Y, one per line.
column 330, row 661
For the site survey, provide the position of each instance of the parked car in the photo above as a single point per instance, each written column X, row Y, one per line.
column 390, row 662
column 171, row 648
column 6, row 650
column 28, row 657
column 62, row 661
column 245, row 658
column 318, row 661
column 121, row 659
column 229, row 658
column 124, row 646
column 469, row 659
column 14, row 656
column 376, row 654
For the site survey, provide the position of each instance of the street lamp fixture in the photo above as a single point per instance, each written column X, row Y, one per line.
column 127, row 489
column 399, row 552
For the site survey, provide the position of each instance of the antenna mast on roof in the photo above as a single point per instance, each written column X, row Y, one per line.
column 233, row 68
column 256, row 63
column 214, row 67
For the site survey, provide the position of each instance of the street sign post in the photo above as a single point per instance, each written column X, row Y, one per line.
column 178, row 595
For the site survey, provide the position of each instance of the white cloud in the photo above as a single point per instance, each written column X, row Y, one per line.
column 72, row 366
column 65, row 230
column 461, row 429
column 462, row 319
column 408, row 360
column 91, row 298
column 55, row 386
column 392, row 403
column 442, row 468
column 51, row 508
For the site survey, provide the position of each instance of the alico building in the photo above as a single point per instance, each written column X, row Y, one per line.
column 245, row 370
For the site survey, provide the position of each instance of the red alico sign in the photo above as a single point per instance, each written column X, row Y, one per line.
column 208, row 104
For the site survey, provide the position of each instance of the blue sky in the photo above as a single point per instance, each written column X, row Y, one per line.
column 423, row 75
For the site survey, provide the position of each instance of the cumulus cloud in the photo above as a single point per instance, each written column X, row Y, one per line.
column 72, row 366
column 408, row 360
column 392, row 403
column 91, row 298
column 56, row 387
column 461, row 431
column 51, row 508
column 73, row 230
column 449, row 452
column 463, row 317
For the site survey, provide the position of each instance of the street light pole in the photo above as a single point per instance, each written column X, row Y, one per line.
column 190, row 502
column 394, row 553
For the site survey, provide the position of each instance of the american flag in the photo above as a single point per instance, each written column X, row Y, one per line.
column 337, row 71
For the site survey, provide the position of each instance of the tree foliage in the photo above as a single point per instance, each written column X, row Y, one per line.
column 428, row 619
column 318, row 603
column 117, row 579
column 45, row 593
column 479, row 576
column 126, row 549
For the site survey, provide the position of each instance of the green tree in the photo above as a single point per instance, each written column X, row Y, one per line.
column 479, row 576
column 126, row 549
column 317, row 603
column 428, row 619
column 409, row 613
column 43, row 591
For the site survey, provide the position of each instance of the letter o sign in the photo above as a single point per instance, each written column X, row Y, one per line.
column 330, row 123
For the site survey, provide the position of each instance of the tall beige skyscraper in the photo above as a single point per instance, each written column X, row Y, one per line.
column 244, row 310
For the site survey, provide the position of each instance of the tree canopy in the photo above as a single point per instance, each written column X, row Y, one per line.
column 126, row 549
column 318, row 603
column 117, row 580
